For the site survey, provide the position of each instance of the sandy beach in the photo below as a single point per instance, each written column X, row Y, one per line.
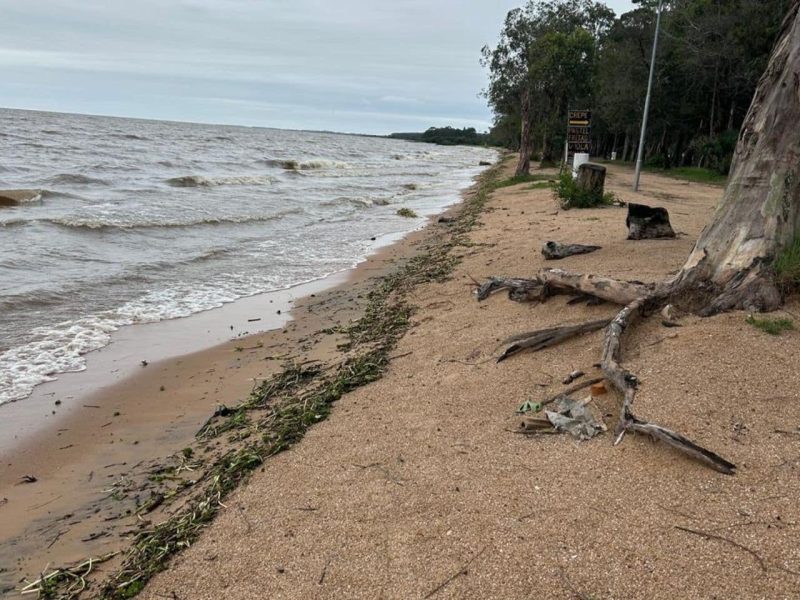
column 83, row 434
column 419, row 485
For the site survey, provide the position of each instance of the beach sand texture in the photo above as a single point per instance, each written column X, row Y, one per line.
column 418, row 486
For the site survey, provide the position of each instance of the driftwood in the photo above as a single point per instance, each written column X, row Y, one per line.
column 552, row 282
column 647, row 222
column 637, row 298
column 544, row 338
column 555, row 251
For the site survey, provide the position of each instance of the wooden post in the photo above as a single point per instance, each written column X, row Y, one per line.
column 592, row 178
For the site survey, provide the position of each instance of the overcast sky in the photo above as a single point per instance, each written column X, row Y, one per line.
column 370, row 66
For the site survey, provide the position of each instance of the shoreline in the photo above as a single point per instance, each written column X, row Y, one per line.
column 124, row 425
column 411, row 478
column 420, row 485
column 165, row 340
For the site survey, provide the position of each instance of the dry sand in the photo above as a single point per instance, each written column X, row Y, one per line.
column 417, row 486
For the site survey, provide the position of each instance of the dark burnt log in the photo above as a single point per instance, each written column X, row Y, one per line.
column 556, row 251
column 648, row 222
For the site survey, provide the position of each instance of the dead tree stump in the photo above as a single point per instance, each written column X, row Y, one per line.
column 592, row 179
column 648, row 222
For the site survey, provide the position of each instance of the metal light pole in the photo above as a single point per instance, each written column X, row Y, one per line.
column 640, row 152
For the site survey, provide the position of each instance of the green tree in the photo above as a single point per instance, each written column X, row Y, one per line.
column 542, row 63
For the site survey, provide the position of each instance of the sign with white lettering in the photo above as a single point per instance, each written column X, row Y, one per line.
column 579, row 133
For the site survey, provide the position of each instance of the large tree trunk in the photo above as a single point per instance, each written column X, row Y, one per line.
column 625, row 145
column 524, row 164
column 731, row 264
column 760, row 211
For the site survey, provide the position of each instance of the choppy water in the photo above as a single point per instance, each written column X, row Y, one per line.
column 140, row 221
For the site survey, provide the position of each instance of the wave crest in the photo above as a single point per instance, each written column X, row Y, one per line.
column 97, row 224
column 17, row 197
column 201, row 181
column 74, row 179
column 306, row 165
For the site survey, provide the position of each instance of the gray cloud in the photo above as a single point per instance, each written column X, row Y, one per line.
column 352, row 65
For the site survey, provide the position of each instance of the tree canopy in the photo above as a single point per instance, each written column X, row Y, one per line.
column 447, row 136
column 555, row 55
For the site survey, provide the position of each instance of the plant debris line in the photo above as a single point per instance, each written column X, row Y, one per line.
column 278, row 412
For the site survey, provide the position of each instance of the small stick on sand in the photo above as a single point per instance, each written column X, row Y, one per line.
column 571, row 390
column 461, row 571
column 712, row 536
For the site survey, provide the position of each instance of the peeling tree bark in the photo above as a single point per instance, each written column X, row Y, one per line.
column 760, row 211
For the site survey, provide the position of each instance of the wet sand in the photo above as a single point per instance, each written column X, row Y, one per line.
column 87, row 432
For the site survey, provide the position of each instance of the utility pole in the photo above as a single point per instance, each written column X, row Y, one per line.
column 640, row 152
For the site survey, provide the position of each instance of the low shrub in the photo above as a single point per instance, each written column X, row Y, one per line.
column 570, row 195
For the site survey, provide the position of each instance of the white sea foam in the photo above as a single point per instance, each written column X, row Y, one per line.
column 307, row 165
column 62, row 347
column 129, row 222
column 52, row 350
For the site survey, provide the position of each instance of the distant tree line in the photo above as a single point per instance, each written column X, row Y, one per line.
column 556, row 55
column 448, row 136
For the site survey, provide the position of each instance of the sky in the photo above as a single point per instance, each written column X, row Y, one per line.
column 366, row 66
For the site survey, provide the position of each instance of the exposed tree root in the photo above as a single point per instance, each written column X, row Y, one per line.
column 637, row 299
column 519, row 290
column 552, row 282
column 627, row 383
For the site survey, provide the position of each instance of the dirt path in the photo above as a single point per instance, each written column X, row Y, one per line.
column 418, row 487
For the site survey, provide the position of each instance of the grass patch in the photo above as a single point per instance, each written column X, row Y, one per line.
column 517, row 179
column 771, row 326
column 570, row 195
column 541, row 185
column 787, row 267
column 693, row 174
column 406, row 212
column 280, row 410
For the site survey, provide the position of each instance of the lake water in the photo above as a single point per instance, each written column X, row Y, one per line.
column 136, row 221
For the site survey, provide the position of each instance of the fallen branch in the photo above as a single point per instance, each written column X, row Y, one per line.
column 551, row 282
column 627, row 384
column 518, row 289
column 544, row 338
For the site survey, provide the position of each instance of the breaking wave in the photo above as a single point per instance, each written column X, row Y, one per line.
column 201, row 181
column 99, row 224
column 357, row 201
column 306, row 165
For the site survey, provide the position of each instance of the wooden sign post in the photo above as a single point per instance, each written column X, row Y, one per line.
column 579, row 134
